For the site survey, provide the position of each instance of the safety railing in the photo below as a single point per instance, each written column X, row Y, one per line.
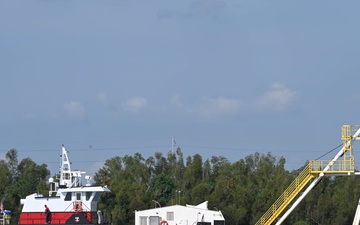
column 287, row 196
column 2, row 218
column 340, row 166
column 313, row 169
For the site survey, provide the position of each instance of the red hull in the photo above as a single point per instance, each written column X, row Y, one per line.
column 57, row 217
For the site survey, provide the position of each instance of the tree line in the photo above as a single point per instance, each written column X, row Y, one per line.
column 243, row 190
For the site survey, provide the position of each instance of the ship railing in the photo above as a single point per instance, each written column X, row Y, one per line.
column 2, row 218
column 340, row 166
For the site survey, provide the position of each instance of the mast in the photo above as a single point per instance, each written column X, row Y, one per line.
column 68, row 178
column 65, row 169
column 173, row 143
column 348, row 138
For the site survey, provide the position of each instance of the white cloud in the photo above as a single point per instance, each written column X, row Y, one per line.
column 175, row 100
column 135, row 104
column 30, row 115
column 278, row 98
column 208, row 8
column 214, row 107
column 74, row 109
column 102, row 98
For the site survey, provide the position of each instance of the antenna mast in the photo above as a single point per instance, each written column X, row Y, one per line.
column 173, row 143
column 65, row 169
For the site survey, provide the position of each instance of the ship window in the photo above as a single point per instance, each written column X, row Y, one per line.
column 78, row 196
column 68, row 196
column 219, row 222
column 88, row 195
column 97, row 196
column 170, row 216
column 143, row 220
column 154, row 220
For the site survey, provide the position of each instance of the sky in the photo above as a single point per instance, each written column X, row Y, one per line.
column 223, row 77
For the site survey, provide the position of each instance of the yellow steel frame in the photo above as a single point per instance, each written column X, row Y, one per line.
column 346, row 136
column 289, row 194
column 312, row 170
column 337, row 167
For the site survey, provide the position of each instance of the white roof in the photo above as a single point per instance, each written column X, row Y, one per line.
column 85, row 188
column 181, row 215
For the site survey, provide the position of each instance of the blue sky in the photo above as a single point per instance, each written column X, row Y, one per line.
column 224, row 77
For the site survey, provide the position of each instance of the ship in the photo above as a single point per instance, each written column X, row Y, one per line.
column 69, row 200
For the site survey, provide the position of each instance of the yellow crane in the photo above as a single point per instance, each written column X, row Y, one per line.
column 314, row 170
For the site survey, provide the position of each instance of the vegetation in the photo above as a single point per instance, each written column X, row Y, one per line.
column 243, row 190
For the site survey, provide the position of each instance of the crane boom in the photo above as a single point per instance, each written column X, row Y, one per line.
column 317, row 180
column 313, row 170
column 357, row 215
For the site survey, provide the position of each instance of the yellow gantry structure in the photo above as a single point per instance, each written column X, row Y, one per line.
column 313, row 170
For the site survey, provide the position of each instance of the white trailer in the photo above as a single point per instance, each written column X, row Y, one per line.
column 180, row 215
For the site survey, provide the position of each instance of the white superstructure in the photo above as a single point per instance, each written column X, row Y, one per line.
column 180, row 215
column 66, row 197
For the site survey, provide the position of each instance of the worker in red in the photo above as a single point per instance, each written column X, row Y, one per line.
column 47, row 215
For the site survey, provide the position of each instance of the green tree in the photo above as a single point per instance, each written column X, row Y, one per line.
column 5, row 180
column 12, row 163
column 163, row 189
column 129, row 182
column 107, row 176
column 180, row 167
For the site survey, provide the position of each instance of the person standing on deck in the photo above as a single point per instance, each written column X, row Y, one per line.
column 47, row 215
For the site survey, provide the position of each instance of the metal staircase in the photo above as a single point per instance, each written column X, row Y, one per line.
column 315, row 169
column 287, row 196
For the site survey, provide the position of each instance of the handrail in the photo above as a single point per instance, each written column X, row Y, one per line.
column 287, row 196
column 315, row 169
column 2, row 218
column 340, row 166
